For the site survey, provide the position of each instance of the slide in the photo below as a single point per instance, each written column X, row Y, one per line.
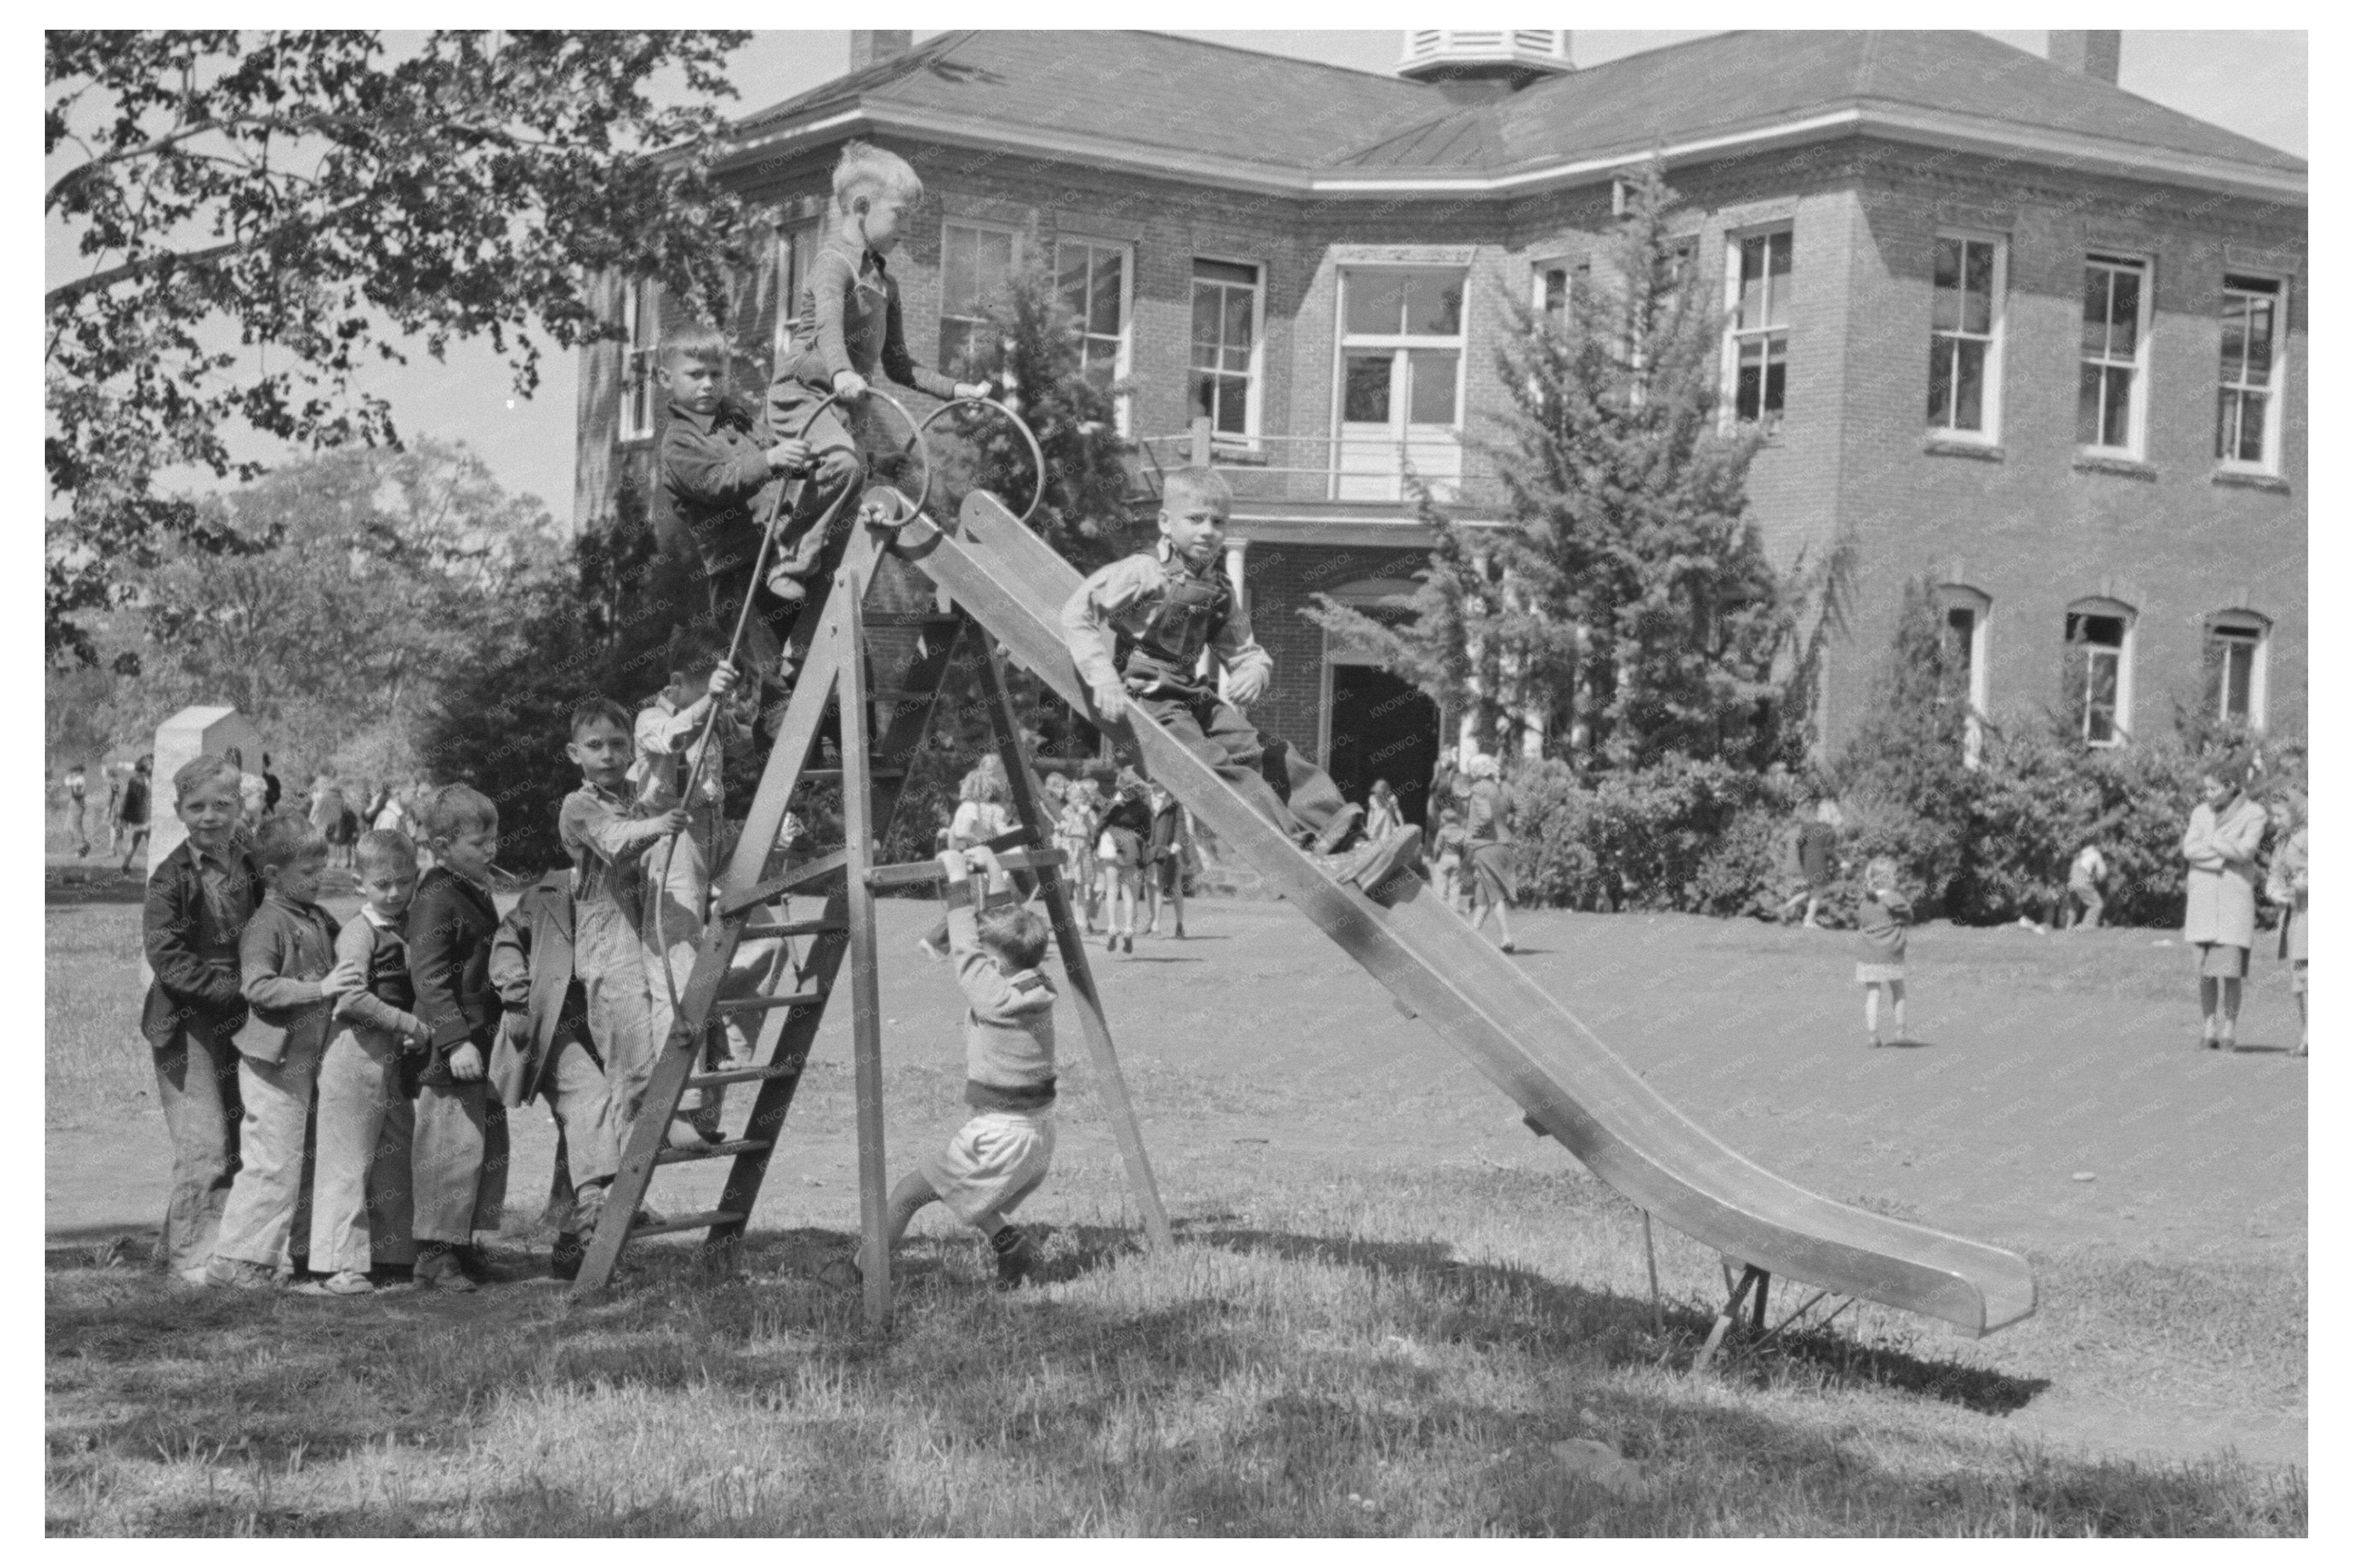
column 1523, row 1040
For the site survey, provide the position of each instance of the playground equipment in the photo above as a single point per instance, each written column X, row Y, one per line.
column 1569, row 1084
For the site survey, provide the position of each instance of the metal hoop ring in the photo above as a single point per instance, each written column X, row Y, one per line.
column 915, row 441
column 1037, row 453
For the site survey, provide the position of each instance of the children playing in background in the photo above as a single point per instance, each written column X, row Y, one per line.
column 134, row 810
column 198, row 901
column 2289, row 885
column 1074, row 836
column 849, row 327
column 1119, row 848
column 1136, row 630
column 291, row 980
column 980, row 815
column 545, row 1051
column 458, row 1163
column 1446, row 869
column 362, row 1205
column 1884, row 918
column 2226, row 828
column 2084, row 877
column 1165, row 853
column 1003, row 1152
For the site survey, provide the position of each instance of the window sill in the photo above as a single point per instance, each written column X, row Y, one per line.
column 1945, row 447
column 2122, row 468
column 2246, row 479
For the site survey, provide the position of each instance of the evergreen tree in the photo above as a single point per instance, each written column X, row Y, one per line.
column 1630, row 598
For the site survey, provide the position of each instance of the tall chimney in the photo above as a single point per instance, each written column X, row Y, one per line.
column 2087, row 54
column 872, row 48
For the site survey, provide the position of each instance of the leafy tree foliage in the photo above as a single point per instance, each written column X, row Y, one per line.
column 259, row 216
column 1630, row 598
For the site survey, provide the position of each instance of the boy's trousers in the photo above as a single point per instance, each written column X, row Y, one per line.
column 587, row 1135
column 361, row 1204
column 196, row 1084
column 614, row 963
column 458, row 1163
column 1299, row 798
column 260, row 1215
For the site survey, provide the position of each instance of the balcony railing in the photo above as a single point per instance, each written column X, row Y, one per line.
column 1308, row 469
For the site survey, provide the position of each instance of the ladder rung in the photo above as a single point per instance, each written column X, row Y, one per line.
column 790, row 928
column 728, row 1149
column 702, row 1220
column 895, row 695
column 743, row 1074
column 904, row 618
column 916, row 873
column 762, row 1004
column 833, row 775
column 827, row 865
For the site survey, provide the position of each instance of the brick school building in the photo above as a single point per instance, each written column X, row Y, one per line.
column 2009, row 328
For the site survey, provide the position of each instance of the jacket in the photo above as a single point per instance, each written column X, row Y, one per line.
column 531, row 965
column 1008, row 1037
column 715, row 475
column 286, row 949
column 1880, row 926
column 192, row 937
column 449, row 929
column 2221, row 849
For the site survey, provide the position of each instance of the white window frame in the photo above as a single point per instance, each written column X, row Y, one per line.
column 2247, row 624
column 1951, row 596
column 1124, row 348
column 1734, row 333
column 797, row 248
column 1540, row 271
column 1255, row 405
column 1990, row 435
column 1344, row 341
column 2121, row 723
column 979, row 226
column 2272, row 392
column 2137, row 435
column 640, row 352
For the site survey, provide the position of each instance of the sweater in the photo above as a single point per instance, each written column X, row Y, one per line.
column 1009, row 1039
column 286, row 949
column 1881, row 920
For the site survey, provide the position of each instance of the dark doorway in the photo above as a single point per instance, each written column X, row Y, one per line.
column 1382, row 728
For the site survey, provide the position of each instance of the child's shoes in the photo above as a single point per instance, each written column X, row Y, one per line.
column 1016, row 1257
column 1398, row 855
column 438, row 1268
column 570, row 1253
column 1336, row 832
column 240, row 1274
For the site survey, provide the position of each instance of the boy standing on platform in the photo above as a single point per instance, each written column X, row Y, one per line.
column 1136, row 629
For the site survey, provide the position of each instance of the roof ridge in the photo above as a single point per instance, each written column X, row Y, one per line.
column 1291, row 59
column 881, row 73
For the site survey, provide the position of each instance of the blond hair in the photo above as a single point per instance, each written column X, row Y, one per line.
column 1197, row 484
column 866, row 170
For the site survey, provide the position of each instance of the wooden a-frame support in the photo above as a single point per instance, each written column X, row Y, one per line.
column 833, row 673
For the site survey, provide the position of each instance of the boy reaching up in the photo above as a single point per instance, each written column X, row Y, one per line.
column 1136, row 629
column 1000, row 1156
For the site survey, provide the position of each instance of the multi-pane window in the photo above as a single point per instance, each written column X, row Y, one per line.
column 2234, row 668
column 1401, row 379
column 1759, row 347
column 2099, row 673
column 2110, row 398
column 1091, row 277
column 2246, row 429
column 795, row 253
column 1221, row 383
column 641, row 329
column 976, row 261
column 1965, row 337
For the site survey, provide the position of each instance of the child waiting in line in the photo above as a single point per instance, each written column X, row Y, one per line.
column 1001, row 1156
column 362, row 1205
column 1884, row 915
column 847, row 328
column 291, row 980
column 460, row 1160
column 198, row 901
column 602, row 830
column 545, row 1051
column 1136, row 629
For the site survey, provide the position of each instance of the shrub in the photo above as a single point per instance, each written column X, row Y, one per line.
column 1647, row 838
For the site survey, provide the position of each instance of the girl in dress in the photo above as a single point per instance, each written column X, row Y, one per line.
column 2226, row 828
column 2288, row 886
column 1487, row 849
column 1886, row 914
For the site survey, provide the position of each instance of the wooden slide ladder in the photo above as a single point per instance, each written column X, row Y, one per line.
column 834, row 676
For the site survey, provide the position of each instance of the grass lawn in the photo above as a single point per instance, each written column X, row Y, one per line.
column 1390, row 1310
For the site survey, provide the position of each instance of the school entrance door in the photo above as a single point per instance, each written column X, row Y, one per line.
column 1380, row 727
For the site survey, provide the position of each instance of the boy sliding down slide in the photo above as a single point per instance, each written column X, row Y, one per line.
column 1137, row 628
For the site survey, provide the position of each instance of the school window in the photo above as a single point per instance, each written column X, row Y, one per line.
column 1400, row 380
column 1965, row 337
column 976, row 261
column 2238, row 645
column 2246, row 429
column 1222, row 377
column 1965, row 613
column 642, row 331
column 2099, row 672
column 1757, row 348
column 1552, row 282
column 2110, row 397
column 796, row 252
column 1091, row 276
